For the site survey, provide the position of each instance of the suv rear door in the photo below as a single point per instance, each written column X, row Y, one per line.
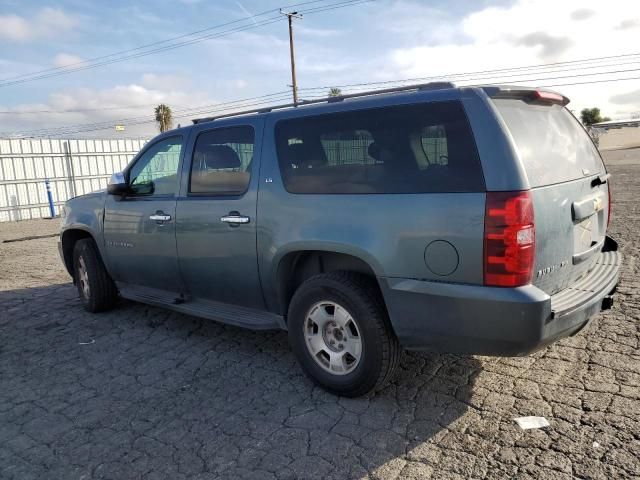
column 568, row 187
column 216, row 212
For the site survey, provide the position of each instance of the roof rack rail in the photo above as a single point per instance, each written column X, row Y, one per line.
column 338, row 98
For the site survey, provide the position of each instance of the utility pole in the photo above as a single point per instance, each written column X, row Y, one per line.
column 294, row 84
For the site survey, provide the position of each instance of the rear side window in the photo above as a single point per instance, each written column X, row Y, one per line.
column 551, row 144
column 222, row 161
column 406, row 149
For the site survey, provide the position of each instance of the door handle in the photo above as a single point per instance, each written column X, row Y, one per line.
column 234, row 219
column 160, row 217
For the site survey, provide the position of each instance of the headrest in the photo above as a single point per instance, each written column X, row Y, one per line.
column 305, row 155
column 218, row 157
column 374, row 151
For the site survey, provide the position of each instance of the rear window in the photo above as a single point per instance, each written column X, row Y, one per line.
column 551, row 144
column 407, row 149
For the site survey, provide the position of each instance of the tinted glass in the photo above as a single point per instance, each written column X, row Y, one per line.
column 550, row 142
column 407, row 149
column 222, row 161
column 156, row 171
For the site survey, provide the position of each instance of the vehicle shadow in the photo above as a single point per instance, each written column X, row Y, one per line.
column 140, row 389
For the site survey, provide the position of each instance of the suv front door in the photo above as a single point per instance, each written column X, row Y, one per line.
column 216, row 212
column 139, row 228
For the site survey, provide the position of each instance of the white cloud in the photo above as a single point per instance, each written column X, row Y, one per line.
column 405, row 39
column 629, row 23
column 66, row 59
column 46, row 23
column 240, row 84
column 14, row 28
column 418, row 23
column 305, row 31
column 582, row 14
column 632, row 97
column 530, row 33
column 127, row 104
column 549, row 46
column 54, row 20
column 165, row 82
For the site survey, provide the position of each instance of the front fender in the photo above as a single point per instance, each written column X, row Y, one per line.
column 84, row 214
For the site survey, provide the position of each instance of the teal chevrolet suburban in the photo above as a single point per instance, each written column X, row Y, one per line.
column 468, row 220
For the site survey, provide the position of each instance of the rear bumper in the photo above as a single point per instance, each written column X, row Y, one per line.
column 473, row 319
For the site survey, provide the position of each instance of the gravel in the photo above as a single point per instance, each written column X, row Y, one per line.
column 144, row 393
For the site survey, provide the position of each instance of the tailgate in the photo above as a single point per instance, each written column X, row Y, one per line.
column 569, row 187
column 571, row 225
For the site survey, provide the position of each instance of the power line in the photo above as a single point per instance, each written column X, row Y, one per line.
column 69, row 130
column 123, row 107
column 62, row 131
column 138, row 55
column 128, row 54
column 588, row 82
column 516, row 80
column 76, row 110
column 545, row 67
column 263, row 99
column 269, row 98
column 480, row 72
column 84, row 128
column 333, row 6
column 148, row 45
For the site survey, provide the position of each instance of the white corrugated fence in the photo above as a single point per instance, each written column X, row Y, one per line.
column 73, row 167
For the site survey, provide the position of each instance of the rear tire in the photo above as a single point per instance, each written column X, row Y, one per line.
column 95, row 287
column 340, row 332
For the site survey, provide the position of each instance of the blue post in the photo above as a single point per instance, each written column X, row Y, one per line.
column 50, row 198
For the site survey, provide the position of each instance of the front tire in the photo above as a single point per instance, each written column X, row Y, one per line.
column 340, row 332
column 95, row 287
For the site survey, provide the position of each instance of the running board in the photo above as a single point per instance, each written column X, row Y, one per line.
column 222, row 312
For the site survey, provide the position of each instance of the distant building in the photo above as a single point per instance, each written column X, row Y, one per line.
column 615, row 134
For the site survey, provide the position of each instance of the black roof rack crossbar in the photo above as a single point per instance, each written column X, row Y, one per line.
column 338, row 98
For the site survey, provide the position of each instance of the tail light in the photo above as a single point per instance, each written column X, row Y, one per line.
column 509, row 239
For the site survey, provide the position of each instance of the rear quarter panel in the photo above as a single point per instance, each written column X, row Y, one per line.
column 501, row 167
column 390, row 232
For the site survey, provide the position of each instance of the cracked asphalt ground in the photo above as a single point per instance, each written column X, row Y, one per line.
column 144, row 393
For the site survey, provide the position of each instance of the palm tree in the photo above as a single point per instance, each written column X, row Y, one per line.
column 163, row 117
column 335, row 92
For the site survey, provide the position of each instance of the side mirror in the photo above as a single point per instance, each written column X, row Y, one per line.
column 117, row 184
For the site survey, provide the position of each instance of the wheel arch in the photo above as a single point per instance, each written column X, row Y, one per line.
column 68, row 239
column 297, row 266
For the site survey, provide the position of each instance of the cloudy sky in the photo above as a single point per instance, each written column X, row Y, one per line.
column 378, row 41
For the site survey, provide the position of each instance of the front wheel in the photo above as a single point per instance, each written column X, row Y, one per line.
column 95, row 287
column 340, row 333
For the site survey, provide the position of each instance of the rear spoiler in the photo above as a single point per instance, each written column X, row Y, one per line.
column 529, row 95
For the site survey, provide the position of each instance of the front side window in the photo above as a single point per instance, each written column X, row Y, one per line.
column 222, row 161
column 405, row 149
column 156, row 171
